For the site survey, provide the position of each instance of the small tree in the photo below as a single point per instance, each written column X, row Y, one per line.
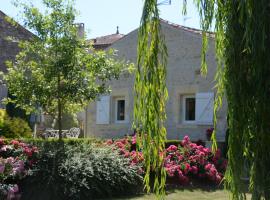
column 57, row 70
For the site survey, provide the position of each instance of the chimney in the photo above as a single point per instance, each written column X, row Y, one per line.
column 80, row 29
column 117, row 29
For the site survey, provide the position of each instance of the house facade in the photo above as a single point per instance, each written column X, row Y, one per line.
column 190, row 105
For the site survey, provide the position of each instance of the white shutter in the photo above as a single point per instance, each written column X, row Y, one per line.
column 204, row 108
column 103, row 110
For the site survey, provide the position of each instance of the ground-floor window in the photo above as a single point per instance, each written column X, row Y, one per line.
column 120, row 109
column 197, row 108
column 189, row 108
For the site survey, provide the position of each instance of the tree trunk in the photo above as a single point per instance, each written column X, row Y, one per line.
column 60, row 119
column 59, row 109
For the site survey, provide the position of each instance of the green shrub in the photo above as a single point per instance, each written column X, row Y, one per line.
column 79, row 170
column 15, row 128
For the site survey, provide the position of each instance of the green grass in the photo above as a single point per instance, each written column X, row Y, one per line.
column 195, row 194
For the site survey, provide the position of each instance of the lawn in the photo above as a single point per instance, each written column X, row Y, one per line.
column 188, row 195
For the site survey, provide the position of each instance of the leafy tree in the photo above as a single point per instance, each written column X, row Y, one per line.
column 57, row 70
column 242, row 31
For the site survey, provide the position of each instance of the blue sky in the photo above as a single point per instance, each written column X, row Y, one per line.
column 102, row 16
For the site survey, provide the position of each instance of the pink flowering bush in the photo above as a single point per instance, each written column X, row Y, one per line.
column 126, row 148
column 183, row 162
column 189, row 160
column 16, row 158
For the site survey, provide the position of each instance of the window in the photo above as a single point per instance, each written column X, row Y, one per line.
column 198, row 108
column 189, row 111
column 120, row 110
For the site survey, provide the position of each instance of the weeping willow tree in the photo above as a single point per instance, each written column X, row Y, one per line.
column 151, row 95
column 242, row 37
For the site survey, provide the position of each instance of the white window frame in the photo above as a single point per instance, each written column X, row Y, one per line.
column 184, row 97
column 116, row 108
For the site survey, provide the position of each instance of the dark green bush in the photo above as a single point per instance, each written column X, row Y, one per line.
column 79, row 170
column 15, row 128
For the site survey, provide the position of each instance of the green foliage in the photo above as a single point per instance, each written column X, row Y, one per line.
column 57, row 70
column 151, row 95
column 15, row 128
column 2, row 117
column 79, row 170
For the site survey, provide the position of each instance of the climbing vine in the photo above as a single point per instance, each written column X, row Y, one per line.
column 151, row 96
column 242, row 37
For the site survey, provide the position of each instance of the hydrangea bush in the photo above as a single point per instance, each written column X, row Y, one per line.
column 183, row 162
column 16, row 159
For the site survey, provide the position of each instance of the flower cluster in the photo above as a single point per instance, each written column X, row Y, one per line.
column 182, row 162
column 16, row 158
column 124, row 147
column 189, row 160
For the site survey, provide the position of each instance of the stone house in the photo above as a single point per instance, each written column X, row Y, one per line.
column 190, row 104
column 10, row 35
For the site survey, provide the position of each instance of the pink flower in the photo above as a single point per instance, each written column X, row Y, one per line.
column 186, row 168
column 200, row 148
column 202, row 154
column 206, row 150
column 213, row 170
column 133, row 140
column 218, row 179
column 194, row 169
column 180, row 158
column 15, row 188
column 193, row 145
column 10, row 160
column 28, row 151
column 120, row 145
column 18, row 167
column 207, row 167
column 15, row 143
column 172, row 169
column 172, row 148
column 185, row 141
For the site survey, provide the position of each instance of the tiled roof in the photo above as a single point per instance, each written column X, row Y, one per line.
column 105, row 41
column 185, row 28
